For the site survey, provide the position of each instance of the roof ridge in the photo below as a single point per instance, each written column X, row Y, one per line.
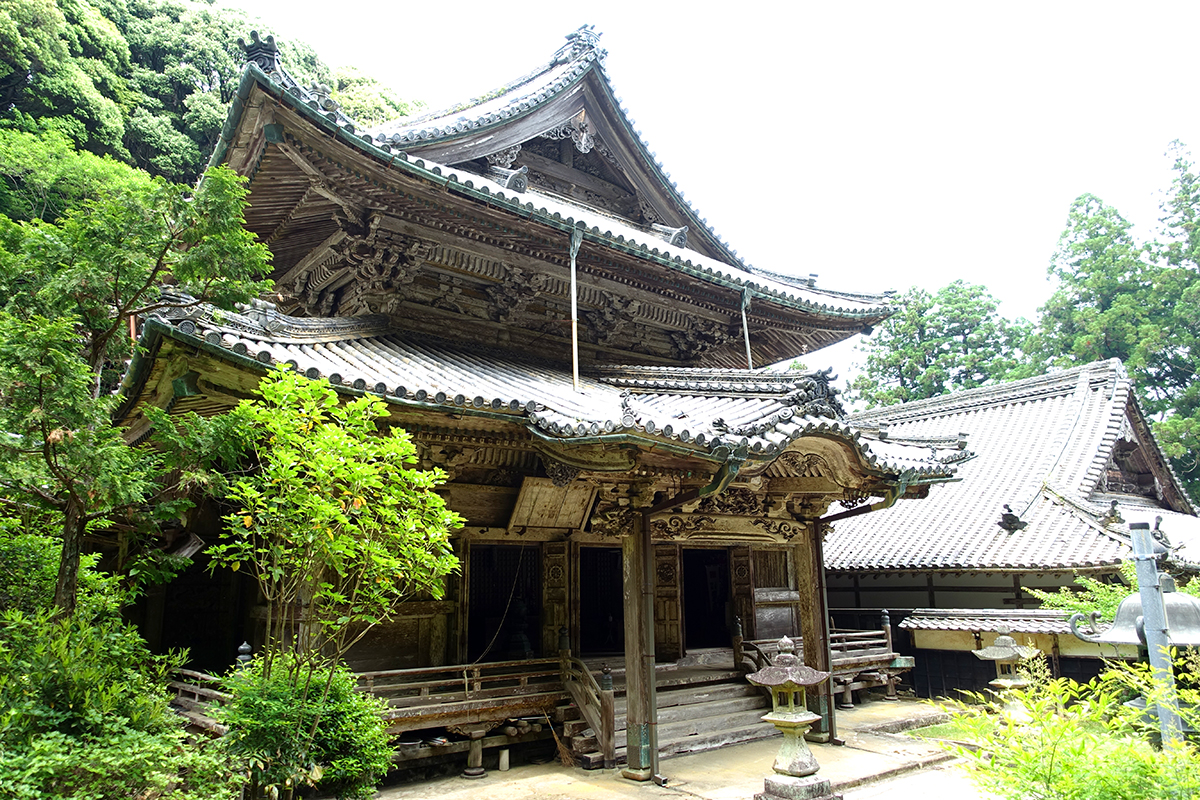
column 1037, row 387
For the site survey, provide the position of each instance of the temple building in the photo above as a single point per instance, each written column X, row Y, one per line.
column 564, row 335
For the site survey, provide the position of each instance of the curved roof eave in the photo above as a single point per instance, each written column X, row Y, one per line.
column 480, row 190
column 752, row 452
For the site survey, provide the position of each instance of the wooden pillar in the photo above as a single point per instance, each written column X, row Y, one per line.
column 640, row 714
column 814, row 625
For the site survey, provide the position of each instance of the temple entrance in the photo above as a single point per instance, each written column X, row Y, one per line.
column 505, row 602
column 706, row 609
column 601, row 602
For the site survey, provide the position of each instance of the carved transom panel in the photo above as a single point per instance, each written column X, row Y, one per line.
column 677, row 526
column 737, row 502
column 376, row 262
column 701, row 336
column 782, row 528
column 805, row 465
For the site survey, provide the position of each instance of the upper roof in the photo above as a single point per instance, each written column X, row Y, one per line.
column 711, row 415
column 396, row 219
column 1057, row 450
column 569, row 98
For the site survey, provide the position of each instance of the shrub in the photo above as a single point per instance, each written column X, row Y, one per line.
column 1060, row 740
column 84, row 714
column 298, row 724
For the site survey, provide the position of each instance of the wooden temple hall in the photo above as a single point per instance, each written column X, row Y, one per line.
column 562, row 333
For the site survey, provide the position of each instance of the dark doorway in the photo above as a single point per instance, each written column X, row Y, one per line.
column 706, row 598
column 505, row 618
column 601, row 601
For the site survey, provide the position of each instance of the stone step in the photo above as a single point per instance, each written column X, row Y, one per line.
column 690, row 744
column 677, row 696
column 686, row 729
column 725, row 703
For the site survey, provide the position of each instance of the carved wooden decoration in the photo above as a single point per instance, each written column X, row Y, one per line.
column 668, row 630
column 742, row 588
column 555, row 593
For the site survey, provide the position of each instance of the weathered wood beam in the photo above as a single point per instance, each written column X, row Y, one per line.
column 640, row 714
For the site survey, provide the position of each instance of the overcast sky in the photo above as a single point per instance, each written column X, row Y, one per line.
column 880, row 145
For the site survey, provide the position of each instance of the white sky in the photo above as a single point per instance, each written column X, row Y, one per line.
column 878, row 144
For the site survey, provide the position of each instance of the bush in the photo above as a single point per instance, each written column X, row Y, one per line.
column 29, row 568
column 84, row 714
column 301, row 724
column 1060, row 740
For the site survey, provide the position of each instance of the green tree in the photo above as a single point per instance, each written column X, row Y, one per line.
column 63, row 68
column 337, row 527
column 1117, row 297
column 1098, row 596
column 334, row 519
column 1103, row 305
column 41, row 176
column 936, row 344
column 147, row 81
column 70, row 290
column 365, row 100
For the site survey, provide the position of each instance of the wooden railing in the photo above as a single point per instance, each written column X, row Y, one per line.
column 595, row 702
column 466, row 694
column 196, row 694
column 860, row 659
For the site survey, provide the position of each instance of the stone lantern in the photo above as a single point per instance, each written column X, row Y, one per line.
column 1006, row 653
column 795, row 765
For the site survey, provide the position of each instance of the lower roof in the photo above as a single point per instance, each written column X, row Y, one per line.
column 708, row 414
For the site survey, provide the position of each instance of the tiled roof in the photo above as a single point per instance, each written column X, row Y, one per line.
column 998, row 620
column 389, row 142
column 1043, row 445
column 753, row 415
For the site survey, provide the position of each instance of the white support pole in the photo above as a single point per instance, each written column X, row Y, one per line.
column 1158, row 641
column 746, row 328
column 576, row 240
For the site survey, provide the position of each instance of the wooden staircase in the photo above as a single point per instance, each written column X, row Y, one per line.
column 699, row 708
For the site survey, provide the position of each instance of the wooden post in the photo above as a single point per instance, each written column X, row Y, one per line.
column 640, row 713
column 737, row 643
column 475, row 754
column 608, row 716
column 814, row 625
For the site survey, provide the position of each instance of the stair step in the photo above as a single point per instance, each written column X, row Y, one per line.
column 698, row 693
column 689, row 744
column 681, row 729
column 721, row 707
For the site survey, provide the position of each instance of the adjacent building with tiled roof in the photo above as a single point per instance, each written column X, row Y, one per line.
column 1056, row 450
column 1064, row 462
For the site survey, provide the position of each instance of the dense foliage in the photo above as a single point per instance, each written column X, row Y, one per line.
column 146, row 81
column 83, row 706
column 1060, row 740
column 939, row 343
column 297, row 724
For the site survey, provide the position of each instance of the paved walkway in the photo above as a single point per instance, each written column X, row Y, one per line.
column 875, row 762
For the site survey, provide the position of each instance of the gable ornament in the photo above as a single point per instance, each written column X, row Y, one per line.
column 1010, row 521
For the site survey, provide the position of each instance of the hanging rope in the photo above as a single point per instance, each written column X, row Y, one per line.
column 576, row 240
column 746, row 328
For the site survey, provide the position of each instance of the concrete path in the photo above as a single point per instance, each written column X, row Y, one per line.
column 875, row 762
